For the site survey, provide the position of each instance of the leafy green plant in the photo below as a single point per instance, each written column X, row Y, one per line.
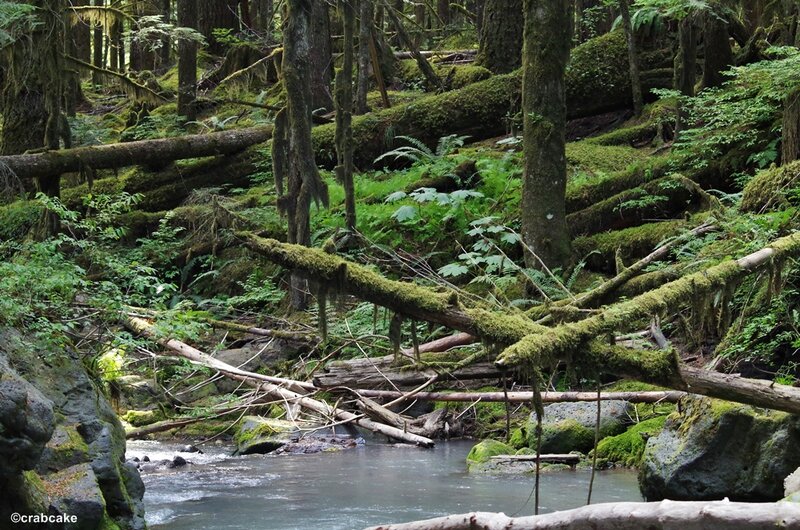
column 419, row 152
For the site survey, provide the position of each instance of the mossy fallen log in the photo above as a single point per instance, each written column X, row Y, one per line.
column 596, row 81
column 566, row 339
column 772, row 189
column 657, row 199
column 153, row 153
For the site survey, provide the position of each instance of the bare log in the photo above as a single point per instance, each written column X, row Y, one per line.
column 686, row 515
column 275, row 386
column 144, row 152
column 525, row 397
column 443, row 344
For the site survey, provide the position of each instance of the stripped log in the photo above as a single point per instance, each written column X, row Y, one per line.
column 666, row 515
column 280, row 389
column 144, row 152
column 665, row 396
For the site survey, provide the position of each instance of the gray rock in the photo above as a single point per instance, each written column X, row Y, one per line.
column 177, row 461
column 255, row 434
column 716, row 449
column 136, row 392
column 78, row 495
column 568, row 427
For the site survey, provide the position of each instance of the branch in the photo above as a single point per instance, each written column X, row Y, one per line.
column 525, row 397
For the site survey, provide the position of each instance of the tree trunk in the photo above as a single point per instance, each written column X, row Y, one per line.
column 790, row 136
column 752, row 11
column 217, row 14
column 633, row 57
column 187, row 62
column 97, row 48
column 718, row 56
column 668, row 396
column 664, row 515
column 443, row 10
column 150, row 152
column 79, row 44
column 142, row 56
column 365, row 13
column 320, row 57
column 500, row 43
column 304, row 183
column 165, row 53
column 546, row 52
column 344, row 114
column 685, row 67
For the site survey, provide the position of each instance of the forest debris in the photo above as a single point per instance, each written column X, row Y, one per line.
column 659, row 396
column 276, row 387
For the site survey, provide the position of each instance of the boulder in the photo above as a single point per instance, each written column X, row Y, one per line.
column 481, row 454
column 568, row 427
column 256, row 434
column 136, row 392
column 77, row 493
column 791, row 486
column 715, row 449
column 26, row 423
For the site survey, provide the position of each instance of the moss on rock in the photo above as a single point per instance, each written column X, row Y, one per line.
column 773, row 189
column 627, row 448
column 486, row 449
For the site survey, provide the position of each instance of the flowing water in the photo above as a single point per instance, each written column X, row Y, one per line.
column 349, row 489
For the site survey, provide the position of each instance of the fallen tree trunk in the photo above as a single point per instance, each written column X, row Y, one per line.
column 596, row 81
column 667, row 515
column 525, row 397
column 273, row 386
column 144, row 152
column 560, row 341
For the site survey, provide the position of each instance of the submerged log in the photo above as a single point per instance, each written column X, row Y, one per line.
column 666, row 515
column 143, row 152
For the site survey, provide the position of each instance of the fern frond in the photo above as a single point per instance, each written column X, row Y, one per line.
column 419, row 144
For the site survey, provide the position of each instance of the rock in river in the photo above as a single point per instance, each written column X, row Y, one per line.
column 716, row 449
column 570, row 427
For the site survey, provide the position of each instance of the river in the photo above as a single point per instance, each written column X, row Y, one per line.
column 349, row 489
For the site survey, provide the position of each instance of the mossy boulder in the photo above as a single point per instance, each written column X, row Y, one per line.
column 627, row 448
column 483, row 451
column 77, row 493
column 453, row 77
column 256, row 434
column 570, row 427
column 715, row 449
column 66, row 448
column 773, row 189
column 140, row 418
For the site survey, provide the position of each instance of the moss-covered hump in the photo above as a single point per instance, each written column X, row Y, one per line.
column 627, row 448
column 485, row 450
column 455, row 77
column 773, row 189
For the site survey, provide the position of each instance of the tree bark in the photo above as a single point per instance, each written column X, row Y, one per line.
column 344, row 114
column 685, row 67
column 664, row 515
column 718, row 56
column 150, row 152
column 668, row 396
column 633, row 57
column 142, row 55
column 97, row 47
column 217, row 14
column 320, row 56
column 790, row 133
column 546, row 52
column 365, row 14
column 187, row 61
column 500, row 42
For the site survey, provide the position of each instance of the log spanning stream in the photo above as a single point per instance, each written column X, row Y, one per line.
column 351, row 489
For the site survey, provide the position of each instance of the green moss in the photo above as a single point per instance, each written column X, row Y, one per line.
column 486, row 449
column 108, row 523
column 590, row 157
column 626, row 135
column 458, row 76
column 518, row 438
column 773, row 189
column 562, row 437
column 17, row 218
column 632, row 243
column 140, row 418
column 627, row 448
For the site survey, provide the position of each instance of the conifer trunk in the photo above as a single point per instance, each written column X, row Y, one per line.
column 365, row 13
column 718, row 56
column 790, row 139
column 97, row 47
column 685, row 66
column 633, row 57
column 344, row 113
column 548, row 32
column 500, row 42
column 321, row 57
column 187, row 61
